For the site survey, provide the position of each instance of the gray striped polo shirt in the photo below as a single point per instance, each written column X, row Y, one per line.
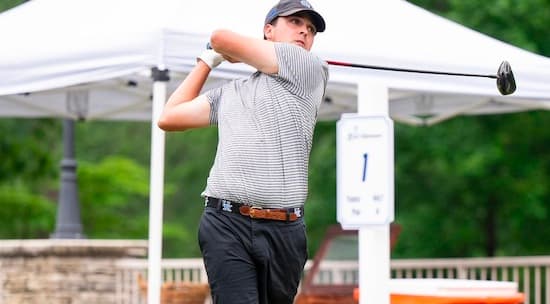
column 265, row 129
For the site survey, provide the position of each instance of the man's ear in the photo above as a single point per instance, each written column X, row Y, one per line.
column 268, row 31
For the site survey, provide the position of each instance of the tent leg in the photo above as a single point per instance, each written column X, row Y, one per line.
column 374, row 240
column 156, row 190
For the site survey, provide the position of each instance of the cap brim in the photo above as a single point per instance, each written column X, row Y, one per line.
column 318, row 20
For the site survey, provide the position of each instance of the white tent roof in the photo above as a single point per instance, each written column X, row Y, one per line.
column 102, row 52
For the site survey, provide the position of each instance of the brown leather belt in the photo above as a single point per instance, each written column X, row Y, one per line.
column 277, row 214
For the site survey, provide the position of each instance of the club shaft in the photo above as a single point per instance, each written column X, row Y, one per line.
column 364, row 66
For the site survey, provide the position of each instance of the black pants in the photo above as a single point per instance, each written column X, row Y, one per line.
column 252, row 261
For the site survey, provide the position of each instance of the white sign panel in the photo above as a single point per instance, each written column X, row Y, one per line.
column 364, row 170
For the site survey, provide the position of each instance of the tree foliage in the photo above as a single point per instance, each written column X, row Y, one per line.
column 521, row 23
column 113, row 195
column 495, row 178
column 23, row 149
column 27, row 168
column 7, row 4
column 320, row 209
column 475, row 190
column 24, row 214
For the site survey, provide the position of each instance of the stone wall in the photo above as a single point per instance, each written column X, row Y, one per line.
column 62, row 271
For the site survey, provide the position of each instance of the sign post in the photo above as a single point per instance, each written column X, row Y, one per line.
column 365, row 187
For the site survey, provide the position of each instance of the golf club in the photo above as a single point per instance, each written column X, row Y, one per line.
column 506, row 82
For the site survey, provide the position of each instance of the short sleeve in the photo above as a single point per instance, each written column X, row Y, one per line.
column 214, row 97
column 302, row 70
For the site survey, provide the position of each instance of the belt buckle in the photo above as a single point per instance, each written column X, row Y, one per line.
column 252, row 211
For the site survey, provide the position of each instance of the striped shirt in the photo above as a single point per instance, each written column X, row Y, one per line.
column 265, row 130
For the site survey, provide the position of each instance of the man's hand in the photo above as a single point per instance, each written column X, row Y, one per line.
column 211, row 58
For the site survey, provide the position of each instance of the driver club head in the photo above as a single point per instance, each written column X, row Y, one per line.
column 506, row 83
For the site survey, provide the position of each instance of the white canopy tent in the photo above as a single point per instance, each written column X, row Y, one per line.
column 89, row 60
column 105, row 50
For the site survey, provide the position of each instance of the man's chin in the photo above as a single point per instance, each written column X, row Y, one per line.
column 300, row 44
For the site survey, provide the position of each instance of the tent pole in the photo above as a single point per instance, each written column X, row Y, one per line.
column 374, row 240
column 154, row 276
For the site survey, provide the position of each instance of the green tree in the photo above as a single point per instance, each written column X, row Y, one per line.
column 189, row 156
column 24, row 150
column 24, row 214
column 320, row 209
column 26, row 170
column 187, row 162
column 7, row 4
column 113, row 195
column 475, row 191
column 522, row 23
column 493, row 188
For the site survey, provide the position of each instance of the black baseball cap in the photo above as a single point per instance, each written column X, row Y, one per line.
column 290, row 7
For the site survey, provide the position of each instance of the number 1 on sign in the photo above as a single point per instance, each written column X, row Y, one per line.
column 365, row 158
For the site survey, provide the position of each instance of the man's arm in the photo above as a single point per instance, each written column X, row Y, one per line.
column 185, row 109
column 252, row 51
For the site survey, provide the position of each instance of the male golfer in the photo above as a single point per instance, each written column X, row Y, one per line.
column 252, row 234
